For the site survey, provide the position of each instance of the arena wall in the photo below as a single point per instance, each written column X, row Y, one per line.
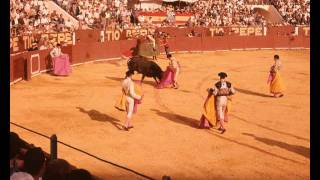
column 88, row 46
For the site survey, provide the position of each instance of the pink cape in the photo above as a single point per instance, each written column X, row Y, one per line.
column 167, row 78
column 270, row 78
column 136, row 101
column 204, row 123
column 61, row 65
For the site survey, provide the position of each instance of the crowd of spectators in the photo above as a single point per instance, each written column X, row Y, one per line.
column 29, row 16
column 102, row 13
column 28, row 162
column 224, row 13
column 32, row 16
column 99, row 13
column 295, row 12
column 258, row 2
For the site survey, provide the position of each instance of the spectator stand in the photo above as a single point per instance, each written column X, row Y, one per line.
column 54, row 151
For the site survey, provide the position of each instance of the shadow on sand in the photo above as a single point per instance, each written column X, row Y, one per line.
column 98, row 116
column 289, row 147
column 178, row 118
column 151, row 83
column 244, row 91
column 268, row 128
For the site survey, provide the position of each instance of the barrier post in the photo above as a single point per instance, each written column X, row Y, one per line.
column 53, row 147
column 27, row 68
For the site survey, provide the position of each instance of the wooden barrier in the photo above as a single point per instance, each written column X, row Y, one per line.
column 88, row 48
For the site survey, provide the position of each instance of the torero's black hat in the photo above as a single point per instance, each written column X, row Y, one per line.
column 222, row 75
column 129, row 73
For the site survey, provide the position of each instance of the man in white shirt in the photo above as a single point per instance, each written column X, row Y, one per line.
column 69, row 24
column 141, row 19
column 44, row 20
column 117, row 3
column 96, row 14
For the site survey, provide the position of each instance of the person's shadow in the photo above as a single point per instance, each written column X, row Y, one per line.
column 151, row 83
column 178, row 118
column 244, row 91
column 98, row 116
column 304, row 151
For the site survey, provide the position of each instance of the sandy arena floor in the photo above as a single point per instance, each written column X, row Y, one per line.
column 266, row 138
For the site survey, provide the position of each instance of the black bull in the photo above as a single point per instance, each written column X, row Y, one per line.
column 146, row 67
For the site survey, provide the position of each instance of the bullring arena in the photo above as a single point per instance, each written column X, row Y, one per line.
column 267, row 138
column 71, row 63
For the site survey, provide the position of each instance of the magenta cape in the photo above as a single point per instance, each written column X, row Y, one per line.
column 138, row 85
column 61, row 65
column 167, row 78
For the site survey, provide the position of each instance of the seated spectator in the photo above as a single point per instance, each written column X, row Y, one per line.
column 44, row 44
column 79, row 174
column 57, row 170
column 21, row 176
column 34, row 163
column 17, row 148
column 69, row 25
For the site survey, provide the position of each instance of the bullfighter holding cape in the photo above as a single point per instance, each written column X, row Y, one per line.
column 275, row 80
column 217, row 104
column 60, row 62
column 131, row 96
column 170, row 76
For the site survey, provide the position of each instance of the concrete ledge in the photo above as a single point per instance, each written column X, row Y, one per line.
column 15, row 81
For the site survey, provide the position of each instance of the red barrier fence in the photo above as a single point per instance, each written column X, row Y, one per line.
column 88, row 47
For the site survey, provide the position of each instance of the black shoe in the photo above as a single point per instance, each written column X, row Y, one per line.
column 223, row 131
column 125, row 128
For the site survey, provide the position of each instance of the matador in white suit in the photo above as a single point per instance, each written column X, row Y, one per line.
column 128, row 89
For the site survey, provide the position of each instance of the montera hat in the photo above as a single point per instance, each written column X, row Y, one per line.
column 222, row 75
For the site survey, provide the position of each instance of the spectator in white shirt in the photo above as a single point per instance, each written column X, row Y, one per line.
column 69, row 24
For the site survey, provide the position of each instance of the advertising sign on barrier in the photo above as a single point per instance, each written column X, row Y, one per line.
column 23, row 43
column 127, row 34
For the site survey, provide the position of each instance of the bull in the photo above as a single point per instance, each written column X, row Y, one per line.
column 146, row 67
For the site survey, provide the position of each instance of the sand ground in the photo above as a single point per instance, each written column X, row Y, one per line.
column 266, row 138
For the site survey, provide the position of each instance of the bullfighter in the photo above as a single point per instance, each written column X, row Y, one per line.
column 218, row 103
column 131, row 96
column 275, row 80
